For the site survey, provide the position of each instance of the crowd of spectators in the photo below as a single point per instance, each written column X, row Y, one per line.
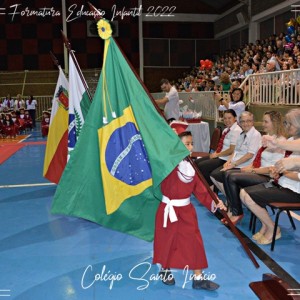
column 242, row 168
column 271, row 54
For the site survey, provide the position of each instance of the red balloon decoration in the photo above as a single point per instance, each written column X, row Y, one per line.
column 206, row 64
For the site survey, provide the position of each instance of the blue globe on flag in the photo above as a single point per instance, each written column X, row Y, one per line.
column 126, row 157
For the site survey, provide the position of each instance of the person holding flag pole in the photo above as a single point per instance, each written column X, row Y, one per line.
column 98, row 16
column 177, row 241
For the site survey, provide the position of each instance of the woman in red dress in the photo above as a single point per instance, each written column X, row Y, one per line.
column 177, row 241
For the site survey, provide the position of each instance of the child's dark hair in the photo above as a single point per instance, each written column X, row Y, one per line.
column 230, row 111
column 185, row 133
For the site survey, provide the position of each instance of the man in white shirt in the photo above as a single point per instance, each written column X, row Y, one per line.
column 170, row 101
column 246, row 148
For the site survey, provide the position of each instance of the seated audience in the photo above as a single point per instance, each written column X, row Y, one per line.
column 284, row 188
column 247, row 145
column 225, row 147
column 258, row 171
column 225, row 82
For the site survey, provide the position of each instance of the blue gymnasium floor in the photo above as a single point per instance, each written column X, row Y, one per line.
column 45, row 256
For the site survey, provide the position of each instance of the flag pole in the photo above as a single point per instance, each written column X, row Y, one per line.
column 234, row 230
column 55, row 60
column 229, row 222
column 71, row 52
column 97, row 17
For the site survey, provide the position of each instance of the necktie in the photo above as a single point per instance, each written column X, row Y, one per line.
column 221, row 141
column 257, row 160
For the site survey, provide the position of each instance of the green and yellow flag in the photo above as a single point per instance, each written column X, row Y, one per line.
column 125, row 151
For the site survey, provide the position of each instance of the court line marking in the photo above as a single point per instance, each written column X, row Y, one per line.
column 26, row 185
column 5, row 291
column 28, row 136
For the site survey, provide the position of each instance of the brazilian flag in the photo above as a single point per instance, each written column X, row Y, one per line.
column 125, row 151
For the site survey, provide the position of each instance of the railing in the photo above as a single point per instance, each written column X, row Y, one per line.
column 273, row 88
column 202, row 102
column 44, row 103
